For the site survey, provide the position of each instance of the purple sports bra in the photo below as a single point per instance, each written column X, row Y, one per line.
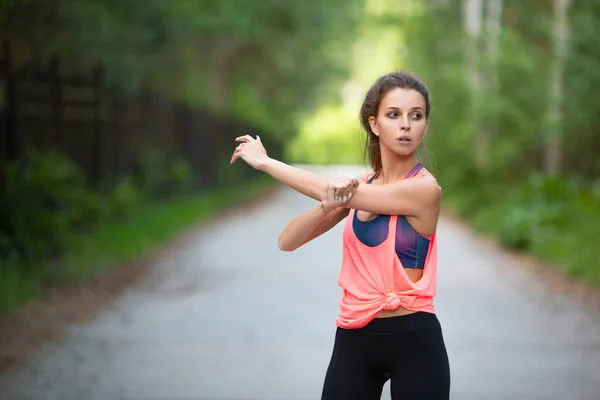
column 411, row 246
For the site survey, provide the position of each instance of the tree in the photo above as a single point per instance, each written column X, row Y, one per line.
column 472, row 17
column 560, row 34
column 249, row 59
column 493, row 29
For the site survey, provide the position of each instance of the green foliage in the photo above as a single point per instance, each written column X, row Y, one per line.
column 116, row 240
column 543, row 207
column 153, row 176
column 266, row 62
column 549, row 217
column 16, row 285
column 48, row 201
column 582, row 76
column 122, row 196
column 182, row 176
column 332, row 136
column 44, row 201
column 556, row 218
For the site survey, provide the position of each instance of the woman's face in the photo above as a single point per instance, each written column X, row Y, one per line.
column 400, row 123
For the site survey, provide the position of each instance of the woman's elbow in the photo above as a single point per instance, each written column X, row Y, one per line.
column 285, row 246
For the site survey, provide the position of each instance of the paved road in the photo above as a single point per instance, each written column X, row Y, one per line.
column 232, row 317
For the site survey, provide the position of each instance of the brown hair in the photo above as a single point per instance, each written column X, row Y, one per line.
column 370, row 107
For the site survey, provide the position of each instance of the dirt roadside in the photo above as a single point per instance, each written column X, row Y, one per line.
column 44, row 319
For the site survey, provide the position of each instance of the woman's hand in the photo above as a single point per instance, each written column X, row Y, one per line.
column 250, row 150
column 339, row 192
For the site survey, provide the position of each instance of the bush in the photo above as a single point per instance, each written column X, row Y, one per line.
column 555, row 219
column 122, row 196
column 182, row 177
column 541, row 209
column 45, row 200
column 153, row 176
column 160, row 176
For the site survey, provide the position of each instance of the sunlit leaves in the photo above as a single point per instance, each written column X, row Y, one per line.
column 435, row 42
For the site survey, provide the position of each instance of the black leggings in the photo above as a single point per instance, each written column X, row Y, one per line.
column 408, row 349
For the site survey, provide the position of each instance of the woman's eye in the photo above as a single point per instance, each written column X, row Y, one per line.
column 393, row 114
column 416, row 116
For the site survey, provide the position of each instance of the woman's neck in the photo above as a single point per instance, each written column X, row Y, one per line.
column 396, row 167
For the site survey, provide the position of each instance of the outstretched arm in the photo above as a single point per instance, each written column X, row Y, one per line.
column 415, row 197
column 305, row 182
column 252, row 151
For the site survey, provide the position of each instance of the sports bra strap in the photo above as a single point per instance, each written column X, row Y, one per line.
column 418, row 167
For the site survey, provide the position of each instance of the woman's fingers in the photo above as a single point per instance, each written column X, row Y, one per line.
column 345, row 198
column 244, row 138
column 347, row 191
column 350, row 184
column 344, row 189
column 341, row 182
column 236, row 154
column 336, row 189
column 343, row 185
column 340, row 186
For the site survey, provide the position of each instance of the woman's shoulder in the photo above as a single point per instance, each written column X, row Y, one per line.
column 428, row 184
column 424, row 173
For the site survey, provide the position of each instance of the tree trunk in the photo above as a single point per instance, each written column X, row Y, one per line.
column 560, row 34
column 493, row 28
column 472, row 15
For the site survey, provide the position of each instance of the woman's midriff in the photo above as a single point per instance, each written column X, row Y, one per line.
column 414, row 275
column 394, row 313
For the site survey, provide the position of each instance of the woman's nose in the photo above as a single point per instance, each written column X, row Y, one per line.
column 404, row 123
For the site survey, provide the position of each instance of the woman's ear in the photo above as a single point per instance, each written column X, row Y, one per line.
column 426, row 128
column 373, row 124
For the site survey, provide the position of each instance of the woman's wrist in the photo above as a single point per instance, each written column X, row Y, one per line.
column 327, row 207
column 264, row 165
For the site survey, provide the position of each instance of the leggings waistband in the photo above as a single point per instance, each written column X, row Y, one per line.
column 399, row 324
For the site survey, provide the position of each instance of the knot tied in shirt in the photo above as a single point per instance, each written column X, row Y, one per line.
column 391, row 302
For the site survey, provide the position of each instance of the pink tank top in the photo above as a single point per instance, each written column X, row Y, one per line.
column 373, row 278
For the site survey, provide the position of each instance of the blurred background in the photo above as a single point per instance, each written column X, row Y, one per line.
column 118, row 118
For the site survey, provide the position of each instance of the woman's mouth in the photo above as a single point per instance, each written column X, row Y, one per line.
column 404, row 139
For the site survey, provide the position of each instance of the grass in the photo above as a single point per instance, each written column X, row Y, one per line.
column 147, row 227
column 556, row 225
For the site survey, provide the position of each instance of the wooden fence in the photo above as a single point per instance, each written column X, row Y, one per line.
column 105, row 132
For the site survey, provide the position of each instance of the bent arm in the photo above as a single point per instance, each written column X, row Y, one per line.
column 309, row 226
column 305, row 182
column 415, row 197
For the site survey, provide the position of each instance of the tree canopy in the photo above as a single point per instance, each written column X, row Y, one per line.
column 264, row 61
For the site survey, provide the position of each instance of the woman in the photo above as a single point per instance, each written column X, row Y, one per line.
column 387, row 327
